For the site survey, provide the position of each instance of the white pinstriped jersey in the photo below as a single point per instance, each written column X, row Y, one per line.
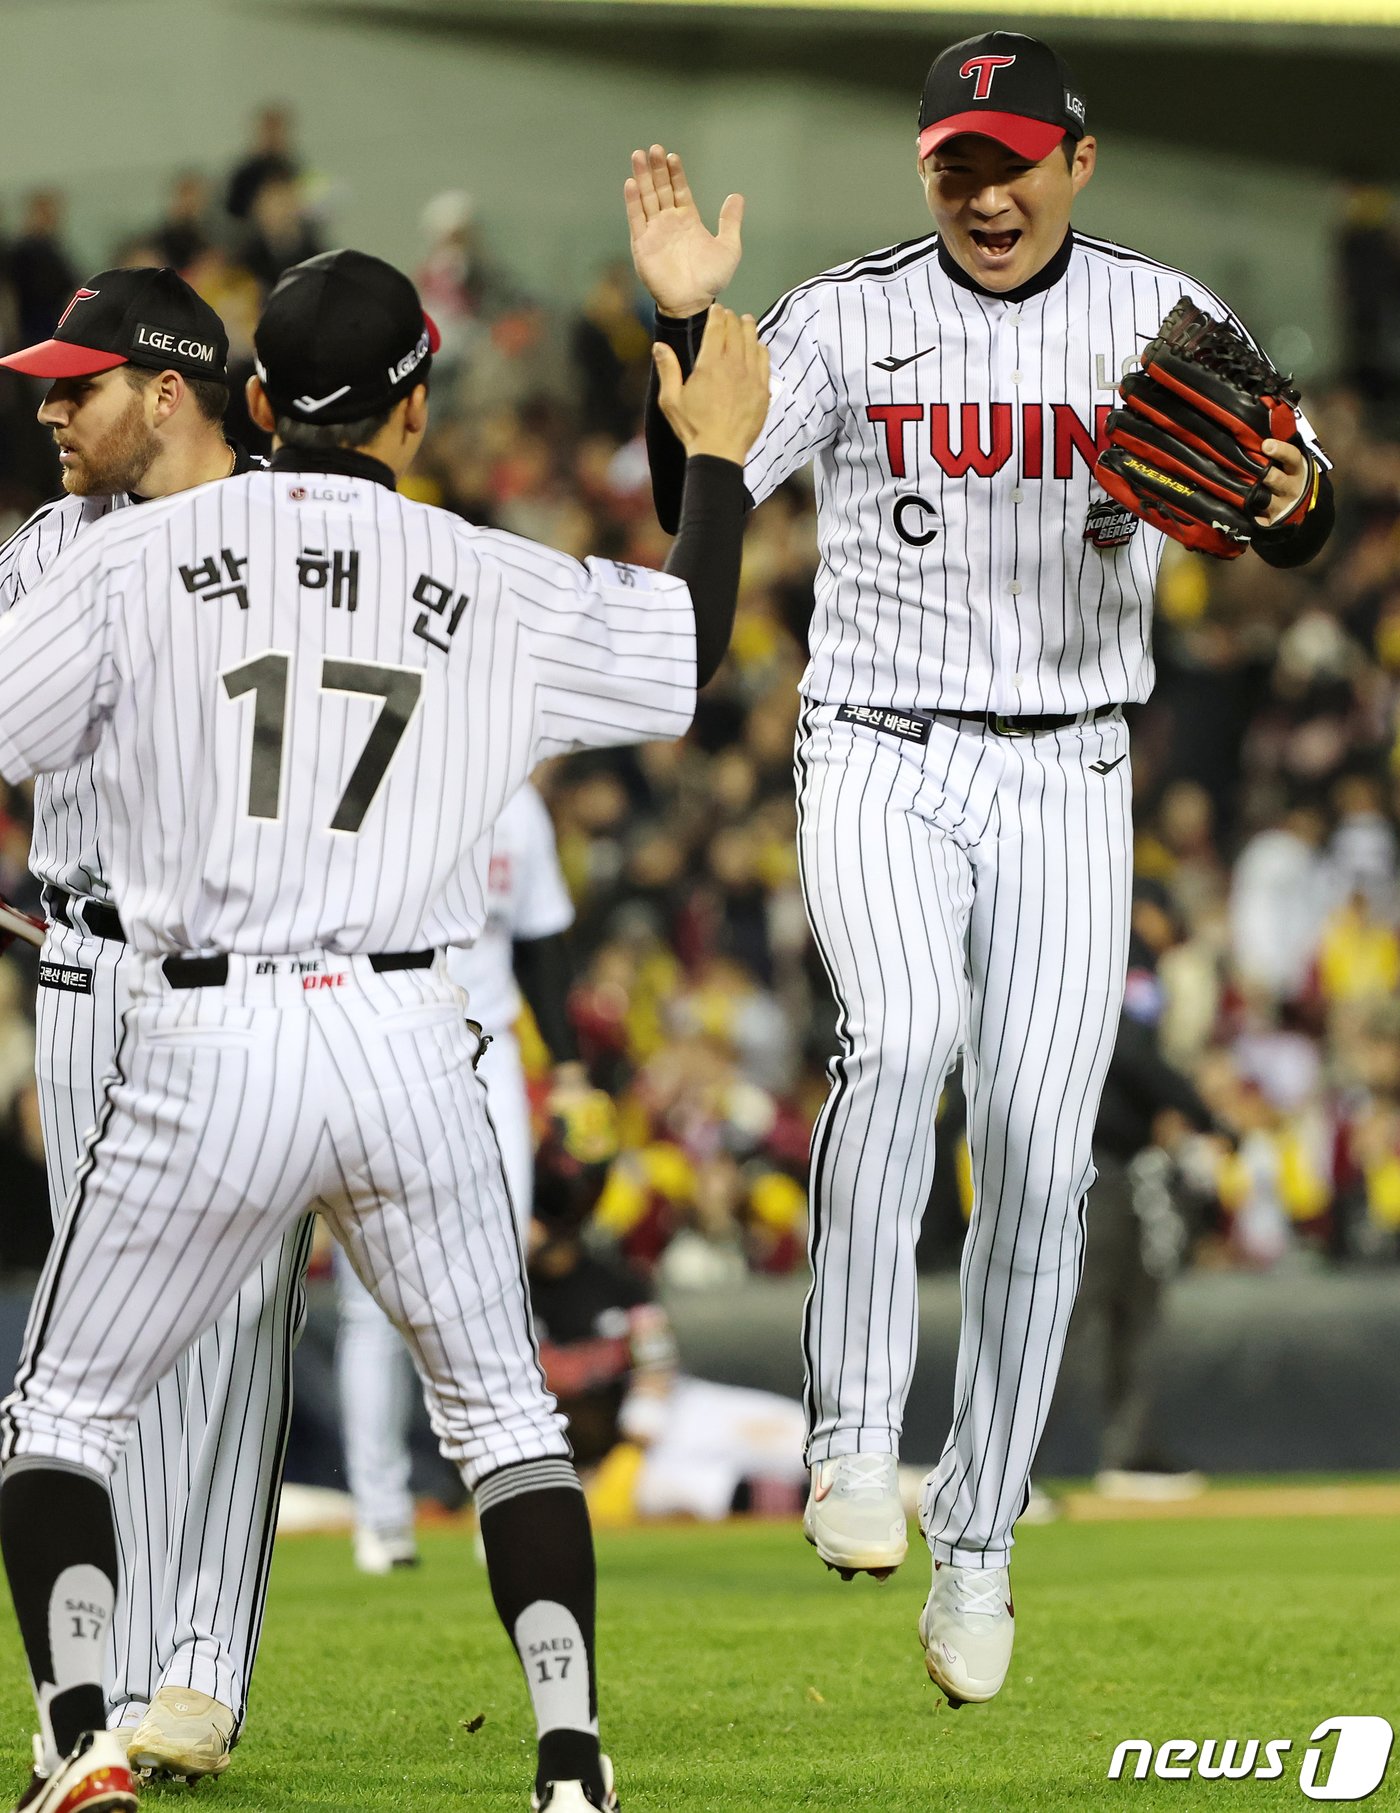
column 306, row 698
column 67, row 847
column 953, row 434
column 526, row 897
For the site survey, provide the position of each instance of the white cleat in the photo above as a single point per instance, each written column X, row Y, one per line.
column 96, row 1778
column 855, row 1516
column 380, row 1554
column 184, row 1733
column 967, row 1628
column 573, row 1797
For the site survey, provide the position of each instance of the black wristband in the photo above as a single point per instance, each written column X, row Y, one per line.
column 683, row 334
column 665, row 455
column 1294, row 544
column 706, row 553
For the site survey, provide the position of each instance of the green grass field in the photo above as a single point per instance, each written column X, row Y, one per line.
column 738, row 1674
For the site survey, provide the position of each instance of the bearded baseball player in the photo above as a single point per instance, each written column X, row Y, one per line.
column 306, row 699
column 983, row 615
column 137, row 388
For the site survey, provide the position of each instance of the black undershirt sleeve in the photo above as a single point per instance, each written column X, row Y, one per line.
column 665, row 455
column 544, row 969
column 706, row 553
column 1293, row 547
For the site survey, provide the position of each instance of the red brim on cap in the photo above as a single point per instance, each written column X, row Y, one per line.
column 61, row 359
column 434, row 337
column 1034, row 139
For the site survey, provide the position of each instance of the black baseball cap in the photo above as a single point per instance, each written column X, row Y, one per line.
column 145, row 317
column 342, row 337
column 1004, row 86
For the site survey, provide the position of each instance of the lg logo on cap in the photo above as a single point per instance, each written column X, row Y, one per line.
column 407, row 363
column 984, row 68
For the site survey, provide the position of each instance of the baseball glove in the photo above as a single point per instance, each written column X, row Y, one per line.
column 574, row 1156
column 1186, row 451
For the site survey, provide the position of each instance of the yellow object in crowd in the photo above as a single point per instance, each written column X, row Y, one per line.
column 1152, row 860
column 756, row 640
column 612, row 1491
column 421, row 488
column 1183, row 590
column 1359, row 957
column 1232, row 1182
column 1383, row 1192
column 534, row 1053
column 657, row 980
column 962, row 1159
column 778, row 1201
column 776, row 862
column 1302, row 1189
column 660, row 1169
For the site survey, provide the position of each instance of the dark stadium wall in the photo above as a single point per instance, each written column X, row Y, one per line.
column 105, row 98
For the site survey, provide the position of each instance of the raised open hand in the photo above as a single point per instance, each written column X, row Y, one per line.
column 721, row 407
column 682, row 263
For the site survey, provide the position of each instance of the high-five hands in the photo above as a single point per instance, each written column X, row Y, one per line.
column 720, row 408
column 676, row 257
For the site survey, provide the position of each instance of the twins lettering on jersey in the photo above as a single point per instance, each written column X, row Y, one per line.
column 982, row 443
column 984, row 438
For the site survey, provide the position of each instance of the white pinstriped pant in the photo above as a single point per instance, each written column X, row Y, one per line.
column 194, row 1491
column 371, row 1366
column 968, row 893
column 234, row 1110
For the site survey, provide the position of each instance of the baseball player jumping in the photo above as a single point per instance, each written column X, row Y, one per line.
column 983, row 614
column 137, row 388
column 306, row 699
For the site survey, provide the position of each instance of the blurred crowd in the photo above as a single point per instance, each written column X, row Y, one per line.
column 1267, row 767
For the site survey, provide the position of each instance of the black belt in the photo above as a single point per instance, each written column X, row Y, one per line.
column 914, row 726
column 102, row 921
column 212, row 972
column 1028, row 726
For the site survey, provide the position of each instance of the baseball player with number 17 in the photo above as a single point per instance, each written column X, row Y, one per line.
column 983, row 614
column 293, row 777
